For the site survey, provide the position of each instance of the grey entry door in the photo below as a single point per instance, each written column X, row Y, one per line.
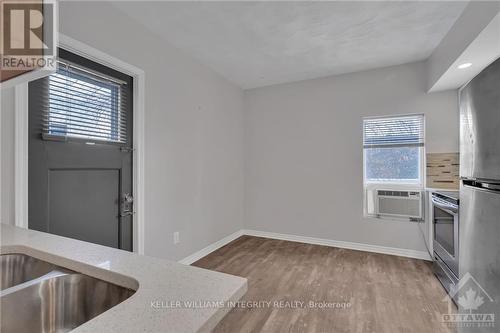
column 80, row 153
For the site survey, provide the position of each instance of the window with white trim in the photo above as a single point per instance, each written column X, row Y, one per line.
column 393, row 149
column 393, row 159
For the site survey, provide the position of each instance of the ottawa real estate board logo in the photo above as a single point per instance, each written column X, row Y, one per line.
column 27, row 35
column 476, row 308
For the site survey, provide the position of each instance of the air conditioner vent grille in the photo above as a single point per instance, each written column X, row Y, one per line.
column 406, row 204
column 394, row 193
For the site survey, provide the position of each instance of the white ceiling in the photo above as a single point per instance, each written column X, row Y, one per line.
column 256, row 44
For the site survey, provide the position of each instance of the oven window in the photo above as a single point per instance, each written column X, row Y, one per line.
column 444, row 230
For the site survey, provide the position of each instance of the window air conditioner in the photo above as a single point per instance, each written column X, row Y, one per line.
column 400, row 204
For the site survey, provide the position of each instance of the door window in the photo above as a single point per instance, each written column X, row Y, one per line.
column 84, row 105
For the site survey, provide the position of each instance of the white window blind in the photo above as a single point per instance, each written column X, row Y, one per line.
column 393, row 131
column 83, row 104
column 393, row 149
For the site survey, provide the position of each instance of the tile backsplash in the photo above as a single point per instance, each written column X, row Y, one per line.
column 443, row 170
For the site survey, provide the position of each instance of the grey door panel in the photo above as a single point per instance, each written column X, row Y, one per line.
column 480, row 125
column 75, row 188
column 91, row 212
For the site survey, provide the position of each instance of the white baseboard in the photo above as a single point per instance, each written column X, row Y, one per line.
column 211, row 248
column 342, row 244
column 308, row 240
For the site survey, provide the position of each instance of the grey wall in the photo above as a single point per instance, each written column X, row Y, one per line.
column 303, row 168
column 304, row 171
column 193, row 134
column 7, row 154
column 193, row 140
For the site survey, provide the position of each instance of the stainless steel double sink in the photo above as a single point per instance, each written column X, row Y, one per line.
column 37, row 296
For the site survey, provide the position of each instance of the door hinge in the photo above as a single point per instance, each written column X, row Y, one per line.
column 126, row 149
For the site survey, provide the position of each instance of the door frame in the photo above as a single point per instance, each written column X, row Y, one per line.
column 21, row 137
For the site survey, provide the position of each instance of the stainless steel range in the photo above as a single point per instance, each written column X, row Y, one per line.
column 445, row 242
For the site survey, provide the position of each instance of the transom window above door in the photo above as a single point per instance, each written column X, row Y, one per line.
column 82, row 104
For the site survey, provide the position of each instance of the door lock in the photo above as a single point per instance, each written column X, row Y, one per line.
column 127, row 203
column 127, row 213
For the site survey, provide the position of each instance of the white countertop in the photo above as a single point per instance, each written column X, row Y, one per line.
column 153, row 279
column 435, row 189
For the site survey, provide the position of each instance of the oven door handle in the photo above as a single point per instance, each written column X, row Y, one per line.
column 447, row 208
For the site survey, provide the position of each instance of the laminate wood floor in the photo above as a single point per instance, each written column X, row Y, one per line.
column 386, row 293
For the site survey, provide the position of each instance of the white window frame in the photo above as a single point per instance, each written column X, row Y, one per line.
column 393, row 184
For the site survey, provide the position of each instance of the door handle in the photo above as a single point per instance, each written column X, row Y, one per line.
column 447, row 208
column 127, row 203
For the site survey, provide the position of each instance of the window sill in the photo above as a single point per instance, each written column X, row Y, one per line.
column 393, row 218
